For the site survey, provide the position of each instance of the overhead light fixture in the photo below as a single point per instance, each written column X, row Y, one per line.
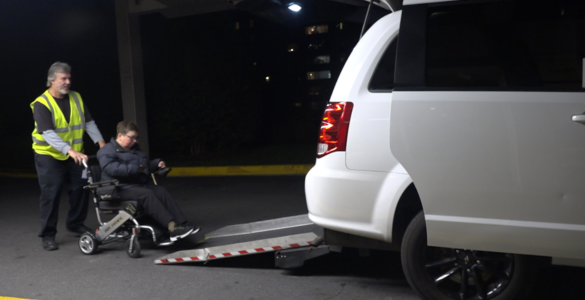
column 294, row 7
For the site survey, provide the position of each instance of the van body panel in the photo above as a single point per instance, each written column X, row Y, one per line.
column 356, row 191
column 496, row 156
column 481, row 123
column 371, row 112
column 355, row 202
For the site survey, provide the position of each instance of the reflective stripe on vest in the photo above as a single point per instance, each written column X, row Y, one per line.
column 71, row 133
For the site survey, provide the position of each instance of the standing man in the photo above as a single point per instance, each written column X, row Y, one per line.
column 61, row 118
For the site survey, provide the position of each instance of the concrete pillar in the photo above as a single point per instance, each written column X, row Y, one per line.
column 131, row 70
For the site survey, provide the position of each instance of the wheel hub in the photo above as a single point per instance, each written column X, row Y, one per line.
column 468, row 274
column 466, row 259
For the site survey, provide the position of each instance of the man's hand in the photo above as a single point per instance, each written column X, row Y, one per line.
column 161, row 164
column 78, row 157
column 101, row 143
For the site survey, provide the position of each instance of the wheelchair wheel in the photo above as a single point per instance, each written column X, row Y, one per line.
column 135, row 252
column 88, row 244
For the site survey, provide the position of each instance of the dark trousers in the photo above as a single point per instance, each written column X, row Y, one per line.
column 53, row 175
column 156, row 201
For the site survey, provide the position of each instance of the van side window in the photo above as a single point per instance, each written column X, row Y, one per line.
column 383, row 78
column 512, row 45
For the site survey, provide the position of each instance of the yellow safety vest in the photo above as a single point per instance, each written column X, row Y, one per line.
column 71, row 133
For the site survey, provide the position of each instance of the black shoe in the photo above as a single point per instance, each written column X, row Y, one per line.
column 181, row 231
column 195, row 230
column 80, row 229
column 50, row 245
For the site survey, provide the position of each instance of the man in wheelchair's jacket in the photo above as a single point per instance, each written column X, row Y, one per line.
column 123, row 160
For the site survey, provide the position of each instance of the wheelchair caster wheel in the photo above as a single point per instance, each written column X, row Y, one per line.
column 88, row 244
column 135, row 251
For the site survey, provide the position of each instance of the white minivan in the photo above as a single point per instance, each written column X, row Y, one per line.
column 456, row 134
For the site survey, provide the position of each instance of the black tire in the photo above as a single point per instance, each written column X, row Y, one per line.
column 135, row 253
column 448, row 274
column 88, row 244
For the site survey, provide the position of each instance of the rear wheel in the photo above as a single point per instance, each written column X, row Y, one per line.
column 448, row 274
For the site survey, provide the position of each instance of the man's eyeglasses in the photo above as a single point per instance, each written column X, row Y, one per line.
column 132, row 137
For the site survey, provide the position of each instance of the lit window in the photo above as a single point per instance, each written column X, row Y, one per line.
column 314, row 91
column 340, row 25
column 267, row 78
column 317, row 29
column 292, row 47
column 298, row 104
column 319, row 75
column 321, row 59
column 237, row 25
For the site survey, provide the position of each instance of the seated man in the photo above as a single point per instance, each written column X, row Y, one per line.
column 123, row 160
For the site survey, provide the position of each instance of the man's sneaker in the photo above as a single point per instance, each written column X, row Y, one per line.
column 195, row 230
column 181, row 231
column 164, row 242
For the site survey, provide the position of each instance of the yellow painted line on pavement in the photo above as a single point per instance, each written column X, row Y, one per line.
column 11, row 298
column 241, row 170
column 17, row 175
column 207, row 171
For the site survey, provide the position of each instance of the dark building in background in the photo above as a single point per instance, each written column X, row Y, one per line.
column 235, row 82
column 297, row 66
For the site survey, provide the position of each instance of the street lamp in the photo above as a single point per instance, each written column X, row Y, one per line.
column 294, row 7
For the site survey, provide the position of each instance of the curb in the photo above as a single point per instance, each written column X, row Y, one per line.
column 207, row 171
column 241, row 170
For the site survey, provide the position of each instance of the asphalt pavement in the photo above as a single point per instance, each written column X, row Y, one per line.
column 28, row 271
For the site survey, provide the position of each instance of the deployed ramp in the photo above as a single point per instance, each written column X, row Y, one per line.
column 261, row 226
column 238, row 249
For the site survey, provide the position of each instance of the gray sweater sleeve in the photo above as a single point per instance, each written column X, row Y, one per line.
column 56, row 141
column 93, row 131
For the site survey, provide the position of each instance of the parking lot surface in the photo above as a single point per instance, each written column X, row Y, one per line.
column 28, row 271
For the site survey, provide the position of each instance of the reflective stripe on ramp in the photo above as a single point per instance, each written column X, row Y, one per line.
column 239, row 249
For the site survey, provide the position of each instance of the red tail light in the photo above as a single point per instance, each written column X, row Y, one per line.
column 334, row 126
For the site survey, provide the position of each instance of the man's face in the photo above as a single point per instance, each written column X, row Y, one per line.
column 61, row 83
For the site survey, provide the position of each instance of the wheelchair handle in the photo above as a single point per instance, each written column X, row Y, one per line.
column 88, row 157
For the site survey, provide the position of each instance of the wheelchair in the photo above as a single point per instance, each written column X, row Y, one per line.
column 124, row 225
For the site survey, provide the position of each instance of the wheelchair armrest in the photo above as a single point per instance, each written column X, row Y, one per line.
column 101, row 183
column 163, row 172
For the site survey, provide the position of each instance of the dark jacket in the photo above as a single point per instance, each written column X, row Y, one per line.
column 124, row 165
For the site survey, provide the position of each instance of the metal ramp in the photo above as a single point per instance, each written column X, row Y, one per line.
column 261, row 226
column 247, row 239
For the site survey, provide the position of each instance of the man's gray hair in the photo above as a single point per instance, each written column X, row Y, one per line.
column 58, row 67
